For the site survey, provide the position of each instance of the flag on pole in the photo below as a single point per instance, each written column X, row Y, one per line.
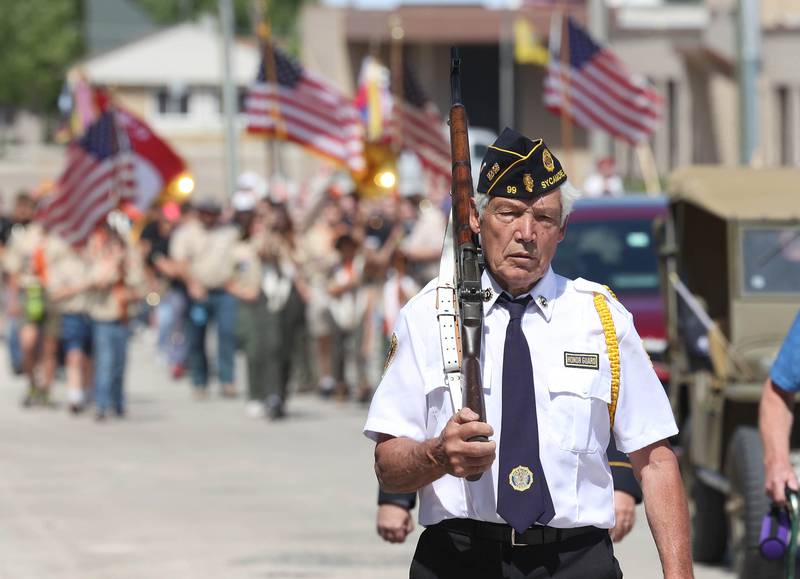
column 301, row 107
column 528, row 49
column 374, row 98
column 596, row 89
column 155, row 164
column 117, row 159
column 419, row 126
column 98, row 175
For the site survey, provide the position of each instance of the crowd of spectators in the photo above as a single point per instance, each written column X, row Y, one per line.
column 304, row 288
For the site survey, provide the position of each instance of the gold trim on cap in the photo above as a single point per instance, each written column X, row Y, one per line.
column 521, row 158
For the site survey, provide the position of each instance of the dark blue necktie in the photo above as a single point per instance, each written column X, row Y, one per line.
column 522, row 494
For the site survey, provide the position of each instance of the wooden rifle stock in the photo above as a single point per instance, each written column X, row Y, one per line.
column 468, row 275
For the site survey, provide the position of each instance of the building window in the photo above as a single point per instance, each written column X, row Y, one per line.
column 241, row 100
column 784, row 123
column 172, row 102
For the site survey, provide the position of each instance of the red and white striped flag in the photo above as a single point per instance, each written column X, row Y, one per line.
column 99, row 174
column 411, row 122
column 118, row 158
column 596, row 90
column 301, row 107
column 419, row 126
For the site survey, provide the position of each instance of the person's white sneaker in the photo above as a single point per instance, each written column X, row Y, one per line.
column 254, row 409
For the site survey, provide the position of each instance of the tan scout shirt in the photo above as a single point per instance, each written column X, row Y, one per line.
column 106, row 304
column 68, row 268
column 19, row 255
column 247, row 265
column 208, row 252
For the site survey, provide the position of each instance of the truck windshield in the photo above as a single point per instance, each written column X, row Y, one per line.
column 619, row 254
column 771, row 260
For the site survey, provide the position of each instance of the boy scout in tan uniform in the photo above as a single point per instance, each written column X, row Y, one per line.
column 68, row 288
column 25, row 261
column 246, row 287
column 204, row 250
column 116, row 278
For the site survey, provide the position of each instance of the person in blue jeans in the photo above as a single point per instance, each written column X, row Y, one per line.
column 116, row 280
column 776, row 415
column 203, row 249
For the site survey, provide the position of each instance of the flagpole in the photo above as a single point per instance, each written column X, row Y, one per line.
column 264, row 33
column 123, row 153
column 396, row 58
column 396, row 64
column 647, row 164
column 229, row 95
column 566, row 119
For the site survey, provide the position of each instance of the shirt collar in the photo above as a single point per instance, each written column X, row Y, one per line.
column 543, row 293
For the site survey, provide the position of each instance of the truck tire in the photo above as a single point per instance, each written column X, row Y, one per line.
column 749, row 504
column 709, row 525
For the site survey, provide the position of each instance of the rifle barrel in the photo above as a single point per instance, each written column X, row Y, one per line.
column 455, row 76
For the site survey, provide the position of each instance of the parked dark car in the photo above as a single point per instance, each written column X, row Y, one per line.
column 611, row 241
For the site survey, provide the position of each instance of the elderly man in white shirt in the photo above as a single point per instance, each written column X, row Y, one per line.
column 563, row 369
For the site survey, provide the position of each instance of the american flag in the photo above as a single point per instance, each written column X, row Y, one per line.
column 301, row 107
column 99, row 174
column 418, row 126
column 597, row 91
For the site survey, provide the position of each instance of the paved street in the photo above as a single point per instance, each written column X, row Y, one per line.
column 185, row 489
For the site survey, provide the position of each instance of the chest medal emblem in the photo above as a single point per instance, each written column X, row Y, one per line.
column 520, row 478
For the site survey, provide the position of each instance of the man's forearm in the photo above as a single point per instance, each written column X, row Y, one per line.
column 666, row 508
column 404, row 465
column 775, row 420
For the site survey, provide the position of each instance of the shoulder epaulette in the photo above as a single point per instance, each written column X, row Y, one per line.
column 584, row 285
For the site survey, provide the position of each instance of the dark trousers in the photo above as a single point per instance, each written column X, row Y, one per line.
column 270, row 343
column 444, row 554
column 219, row 307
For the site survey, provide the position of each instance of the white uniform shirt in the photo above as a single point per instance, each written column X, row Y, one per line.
column 412, row 400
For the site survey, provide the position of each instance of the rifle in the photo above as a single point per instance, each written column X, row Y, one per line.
column 467, row 271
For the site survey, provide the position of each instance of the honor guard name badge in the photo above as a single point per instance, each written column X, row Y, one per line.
column 520, row 478
column 578, row 360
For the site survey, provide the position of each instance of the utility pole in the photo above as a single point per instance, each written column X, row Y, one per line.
column 599, row 141
column 749, row 43
column 229, row 100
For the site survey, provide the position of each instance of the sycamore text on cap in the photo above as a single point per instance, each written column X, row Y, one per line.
column 554, row 179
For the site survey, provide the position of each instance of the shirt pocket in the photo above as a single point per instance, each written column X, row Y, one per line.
column 578, row 416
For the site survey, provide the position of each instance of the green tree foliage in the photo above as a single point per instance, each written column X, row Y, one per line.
column 281, row 13
column 39, row 39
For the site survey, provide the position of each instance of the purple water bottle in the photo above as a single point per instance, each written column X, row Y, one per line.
column 774, row 539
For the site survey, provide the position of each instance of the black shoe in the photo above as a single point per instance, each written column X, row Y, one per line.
column 274, row 406
column 76, row 409
column 276, row 413
column 29, row 399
